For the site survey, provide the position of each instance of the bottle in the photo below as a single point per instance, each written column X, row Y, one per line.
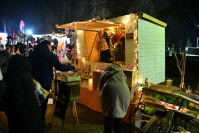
column 146, row 82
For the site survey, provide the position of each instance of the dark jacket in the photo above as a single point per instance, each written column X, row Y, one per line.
column 42, row 63
column 20, row 103
column 2, row 87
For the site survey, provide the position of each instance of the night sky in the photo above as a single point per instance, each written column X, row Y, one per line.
column 30, row 11
column 41, row 16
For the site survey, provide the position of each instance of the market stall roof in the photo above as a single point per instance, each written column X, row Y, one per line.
column 96, row 24
column 90, row 25
column 152, row 19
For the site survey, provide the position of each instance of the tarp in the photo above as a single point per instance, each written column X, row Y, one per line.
column 90, row 25
column 96, row 24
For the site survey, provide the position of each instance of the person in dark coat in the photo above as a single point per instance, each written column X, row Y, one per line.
column 120, row 50
column 2, row 90
column 42, row 63
column 20, row 103
column 4, row 58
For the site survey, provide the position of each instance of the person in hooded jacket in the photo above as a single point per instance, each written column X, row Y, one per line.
column 20, row 103
column 115, row 97
column 42, row 62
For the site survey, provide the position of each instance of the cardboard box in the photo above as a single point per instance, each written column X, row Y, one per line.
column 70, row 79
column 65, row 78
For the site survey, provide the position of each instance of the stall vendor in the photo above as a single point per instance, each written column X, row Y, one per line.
column 120, row 50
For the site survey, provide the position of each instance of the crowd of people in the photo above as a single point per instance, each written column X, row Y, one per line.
column 18, row 100
column 17, row 97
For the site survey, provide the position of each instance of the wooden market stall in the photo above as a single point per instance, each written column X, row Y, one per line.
column 142, row 53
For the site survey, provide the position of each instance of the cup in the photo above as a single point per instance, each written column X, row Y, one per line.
column 169, row 82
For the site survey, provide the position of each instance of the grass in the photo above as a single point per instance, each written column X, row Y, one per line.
column 190, row 80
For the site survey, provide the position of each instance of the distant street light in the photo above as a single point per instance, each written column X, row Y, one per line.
column 29, row 32
column 29, row 35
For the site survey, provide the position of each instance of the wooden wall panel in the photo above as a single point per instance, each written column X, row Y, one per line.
column 151, row 52
column 91, row 46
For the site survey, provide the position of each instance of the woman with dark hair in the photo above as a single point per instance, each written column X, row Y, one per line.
column 20, row 103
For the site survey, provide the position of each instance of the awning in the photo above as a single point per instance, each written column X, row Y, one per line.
column 90, row 25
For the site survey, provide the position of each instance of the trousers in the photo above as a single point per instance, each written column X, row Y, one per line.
column 43, row 108
column 110, row 123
